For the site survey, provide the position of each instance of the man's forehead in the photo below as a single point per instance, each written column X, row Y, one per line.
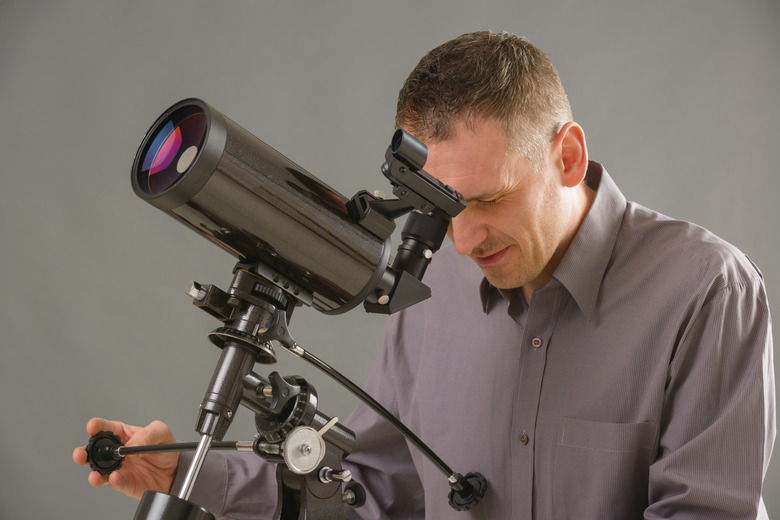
column 474, row 163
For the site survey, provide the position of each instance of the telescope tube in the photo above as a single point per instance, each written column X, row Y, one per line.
column 238, row 192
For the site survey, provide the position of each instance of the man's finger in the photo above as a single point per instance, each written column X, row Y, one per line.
column 97, row 480
column 80, row 455
column 98, row 424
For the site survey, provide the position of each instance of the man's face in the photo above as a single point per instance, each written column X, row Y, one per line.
column 515, row 225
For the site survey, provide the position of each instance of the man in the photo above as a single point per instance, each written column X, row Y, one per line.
column 593, row 359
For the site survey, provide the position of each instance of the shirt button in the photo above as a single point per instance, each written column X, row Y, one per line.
column 524, row 439
column 537, row 342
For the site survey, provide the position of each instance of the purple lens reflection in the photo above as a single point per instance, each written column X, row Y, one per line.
column 173, row 149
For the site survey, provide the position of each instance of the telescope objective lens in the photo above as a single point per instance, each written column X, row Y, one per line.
column 173, row 149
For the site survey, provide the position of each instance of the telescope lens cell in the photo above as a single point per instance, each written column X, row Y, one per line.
column 173, row 149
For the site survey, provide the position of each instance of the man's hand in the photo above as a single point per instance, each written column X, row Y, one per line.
column 138, row 472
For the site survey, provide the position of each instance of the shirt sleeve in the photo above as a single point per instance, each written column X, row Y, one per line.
column 381, row 461
column 718, row 423
column 233, row 486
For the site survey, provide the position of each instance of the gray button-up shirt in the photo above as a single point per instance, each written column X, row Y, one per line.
column 637, row 384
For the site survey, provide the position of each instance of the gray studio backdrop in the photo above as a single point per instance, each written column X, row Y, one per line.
column 679, row 100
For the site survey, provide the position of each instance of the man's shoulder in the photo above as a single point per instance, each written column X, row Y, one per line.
column 650, row 237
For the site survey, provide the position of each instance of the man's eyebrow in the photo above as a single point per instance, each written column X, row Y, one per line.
column 485, row 195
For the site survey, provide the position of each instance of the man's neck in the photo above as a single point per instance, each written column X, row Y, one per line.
column 582, row 203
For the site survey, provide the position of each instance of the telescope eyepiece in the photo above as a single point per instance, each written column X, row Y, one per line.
column 408, row 149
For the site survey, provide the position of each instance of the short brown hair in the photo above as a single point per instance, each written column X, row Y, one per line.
column 486, row 75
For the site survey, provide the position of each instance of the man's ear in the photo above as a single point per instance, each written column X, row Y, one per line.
column 573, row 158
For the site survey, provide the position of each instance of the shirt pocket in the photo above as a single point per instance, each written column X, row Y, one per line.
column 601, row 470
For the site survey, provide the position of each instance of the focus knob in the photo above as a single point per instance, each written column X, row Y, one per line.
column 102, row 452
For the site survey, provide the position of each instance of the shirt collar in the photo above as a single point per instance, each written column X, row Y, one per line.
column 583, row 266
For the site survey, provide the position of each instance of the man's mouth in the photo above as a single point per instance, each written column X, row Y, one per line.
column 491, row 259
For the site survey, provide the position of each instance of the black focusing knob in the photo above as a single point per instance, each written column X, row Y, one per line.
column 102, row 452
column 475, row 487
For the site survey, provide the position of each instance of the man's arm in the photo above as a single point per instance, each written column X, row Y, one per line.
column 381, row 460
column 718, row 424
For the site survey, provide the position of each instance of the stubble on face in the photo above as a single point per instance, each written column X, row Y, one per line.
column 530, row 252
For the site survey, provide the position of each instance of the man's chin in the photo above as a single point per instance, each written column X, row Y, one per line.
column 499, row 279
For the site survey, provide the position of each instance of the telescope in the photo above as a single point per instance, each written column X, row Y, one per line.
column 297, row 243
column 326, row 251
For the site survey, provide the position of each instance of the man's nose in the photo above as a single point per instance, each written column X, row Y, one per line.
column 466, row 233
